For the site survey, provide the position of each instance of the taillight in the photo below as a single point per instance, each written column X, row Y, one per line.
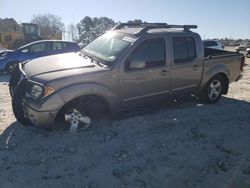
column 242, row 63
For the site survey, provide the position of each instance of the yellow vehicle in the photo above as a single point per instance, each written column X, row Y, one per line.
column 19, row 37
column 7, row 38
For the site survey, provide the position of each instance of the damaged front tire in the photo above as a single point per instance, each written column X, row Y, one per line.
column 80, row 112
column 17, row 106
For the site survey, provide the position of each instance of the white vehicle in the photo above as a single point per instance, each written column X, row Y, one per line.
column 213, row 44
column 242, row 47
column 248, row 52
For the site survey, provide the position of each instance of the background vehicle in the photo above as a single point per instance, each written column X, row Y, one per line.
column 132, row 65
column 242, row 47
column 9, row 59
column 213, row 44
column 248, row 52
column 13, row 35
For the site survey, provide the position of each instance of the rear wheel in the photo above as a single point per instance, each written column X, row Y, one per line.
column 213, row 90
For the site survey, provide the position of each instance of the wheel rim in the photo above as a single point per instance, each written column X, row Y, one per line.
column 77, row 120
column 214, row 89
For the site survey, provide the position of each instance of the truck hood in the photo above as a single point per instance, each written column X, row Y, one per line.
column 57, row 64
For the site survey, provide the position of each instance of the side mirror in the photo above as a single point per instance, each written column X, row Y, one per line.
column 137, row 65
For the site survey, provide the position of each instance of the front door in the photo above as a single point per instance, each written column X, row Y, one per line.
column 146, row 74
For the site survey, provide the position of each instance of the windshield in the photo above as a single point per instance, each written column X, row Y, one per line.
column 109, row 46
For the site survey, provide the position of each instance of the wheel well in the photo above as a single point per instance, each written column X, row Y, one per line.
column 226, row 82
column 84, row 98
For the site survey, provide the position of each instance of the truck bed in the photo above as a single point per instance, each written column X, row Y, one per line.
column 215, row 52
column 222, row 60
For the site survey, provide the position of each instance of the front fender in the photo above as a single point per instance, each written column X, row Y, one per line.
column 74, row 91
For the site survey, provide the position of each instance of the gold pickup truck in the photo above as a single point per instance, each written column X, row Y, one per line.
column 131, row 65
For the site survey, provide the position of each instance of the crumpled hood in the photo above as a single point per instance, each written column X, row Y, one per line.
column 56, row 64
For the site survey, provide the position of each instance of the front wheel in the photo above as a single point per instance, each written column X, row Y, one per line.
column 17, row 106
column 79, row 113
column 213, row 90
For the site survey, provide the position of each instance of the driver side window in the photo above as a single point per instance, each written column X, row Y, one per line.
column 151, row 53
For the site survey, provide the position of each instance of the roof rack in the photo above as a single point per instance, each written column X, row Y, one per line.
column 148, row 26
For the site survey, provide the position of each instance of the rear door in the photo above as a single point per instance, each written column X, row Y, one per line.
column 151, row 80
column 187, row 64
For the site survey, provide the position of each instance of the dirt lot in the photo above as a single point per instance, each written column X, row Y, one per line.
column 172, row 145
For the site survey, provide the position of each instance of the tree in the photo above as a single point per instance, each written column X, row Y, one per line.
column 91, row 28
column 72, row 32
column 50, row 26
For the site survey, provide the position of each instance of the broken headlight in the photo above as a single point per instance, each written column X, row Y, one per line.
column 37, row 91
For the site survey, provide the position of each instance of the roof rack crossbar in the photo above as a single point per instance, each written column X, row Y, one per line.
column 123, row 25
column 148, row 26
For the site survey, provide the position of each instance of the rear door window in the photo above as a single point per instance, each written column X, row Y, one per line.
column 72, row 46
column 59, row 45
column 184, row 49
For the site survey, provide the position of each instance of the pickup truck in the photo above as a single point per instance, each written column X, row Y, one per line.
column 128, row 66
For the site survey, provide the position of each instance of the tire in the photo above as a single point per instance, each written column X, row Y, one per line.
column 13, row 83
column 17, row 106
column 92, row 107
column 11, row 67
column 213, row 90
column 12, row 91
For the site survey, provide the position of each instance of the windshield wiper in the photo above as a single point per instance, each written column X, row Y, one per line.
column 93, row 60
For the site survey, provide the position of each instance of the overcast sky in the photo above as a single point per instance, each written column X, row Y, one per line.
column 215, row 18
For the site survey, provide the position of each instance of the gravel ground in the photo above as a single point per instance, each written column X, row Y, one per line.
column 172, row 145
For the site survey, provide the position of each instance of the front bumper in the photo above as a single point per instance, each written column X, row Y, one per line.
column 43, row 113
column 44, row 119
